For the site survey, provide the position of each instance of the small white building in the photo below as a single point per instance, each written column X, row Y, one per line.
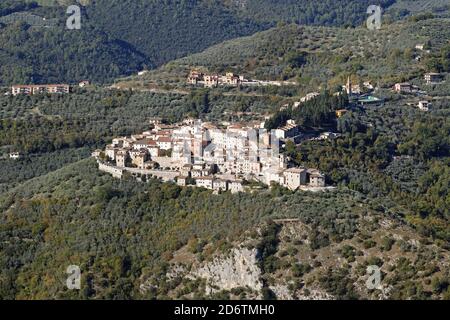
column 204, row 182
column 182, row 181
column 328, row 135
column 219, row 184
column 196, row 173
column 432, row 77
column 420, row 46
column 424, row 105
column 235, row 186
column 84, row 83
column 14, row 155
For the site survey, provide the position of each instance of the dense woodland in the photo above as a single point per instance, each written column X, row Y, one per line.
column 400, row 159
column 315, row 113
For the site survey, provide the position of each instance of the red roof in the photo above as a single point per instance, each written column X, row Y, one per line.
column 164, row 139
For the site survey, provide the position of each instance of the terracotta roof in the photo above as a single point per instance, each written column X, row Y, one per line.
column 164, row 139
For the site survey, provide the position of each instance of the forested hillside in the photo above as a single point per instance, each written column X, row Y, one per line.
column 47, row 55
column 122, row 37
column 303, row 54
column 387, row 168
column 124, row 236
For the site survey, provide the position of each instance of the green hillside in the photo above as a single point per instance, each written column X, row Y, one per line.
column 315, row 57
column 389, row 166
column 122, row 37
column 123, row 234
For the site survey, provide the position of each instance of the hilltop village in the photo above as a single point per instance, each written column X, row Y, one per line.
column 361, row 94
column 217, row 157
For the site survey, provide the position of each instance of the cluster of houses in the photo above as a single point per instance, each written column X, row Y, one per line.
column 214, row 80
column 406, row 87
column 33, row 89
column 216, row 157
column 229, row 79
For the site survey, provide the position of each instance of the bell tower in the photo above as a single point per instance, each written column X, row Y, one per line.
column 349, row 86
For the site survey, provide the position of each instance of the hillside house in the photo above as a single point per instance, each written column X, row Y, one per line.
column 432, row 77
column 138, row 157
column 211, row 81
column 403, row 87
column 195, row 77
column 84, row 83
column 424, row 105
column 420, row 47
column 14, row 155
column 230, row 79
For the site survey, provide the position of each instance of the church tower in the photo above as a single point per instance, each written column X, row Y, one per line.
column 349, row 86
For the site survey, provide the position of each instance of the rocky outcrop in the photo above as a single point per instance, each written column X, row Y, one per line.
column 238, row 269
